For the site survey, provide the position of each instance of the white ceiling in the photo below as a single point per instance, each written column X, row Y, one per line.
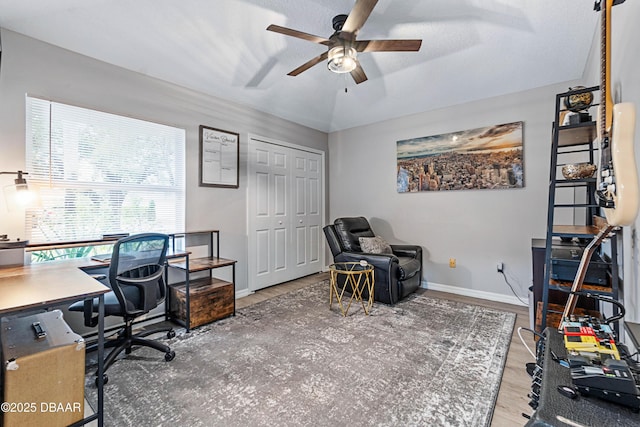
column 472, row 49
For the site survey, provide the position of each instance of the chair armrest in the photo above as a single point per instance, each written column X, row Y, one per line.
column 382, row 261
column 413, row 251
column 90, row 320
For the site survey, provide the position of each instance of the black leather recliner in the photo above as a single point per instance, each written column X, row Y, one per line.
column 396, row 275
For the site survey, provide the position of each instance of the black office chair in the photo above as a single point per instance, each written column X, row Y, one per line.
column 136, row 277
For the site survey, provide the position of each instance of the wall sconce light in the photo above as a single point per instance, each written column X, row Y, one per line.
column 18, row 193
column 342, row 58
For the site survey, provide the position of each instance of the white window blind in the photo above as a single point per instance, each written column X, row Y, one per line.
column 99, row 173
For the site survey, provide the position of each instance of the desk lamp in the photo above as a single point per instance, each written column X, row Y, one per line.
column 18, row 192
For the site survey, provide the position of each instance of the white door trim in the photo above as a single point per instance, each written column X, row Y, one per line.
column 287, row 144
column 252, row 266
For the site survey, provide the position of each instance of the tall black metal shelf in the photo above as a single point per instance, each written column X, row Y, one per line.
column 573, row 143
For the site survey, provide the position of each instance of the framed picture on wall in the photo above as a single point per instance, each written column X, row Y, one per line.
column 219, row 158
column 484, row 158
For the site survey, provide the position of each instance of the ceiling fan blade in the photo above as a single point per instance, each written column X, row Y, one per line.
column 309, row 64
column 358, row 16
column 298, row 34
column 388, row 45
column 358, row 74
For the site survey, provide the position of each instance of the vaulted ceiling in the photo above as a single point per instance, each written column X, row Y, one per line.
column 472, row 49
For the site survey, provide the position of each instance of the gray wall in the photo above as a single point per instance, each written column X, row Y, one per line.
column 477, row 227
column 33, row 67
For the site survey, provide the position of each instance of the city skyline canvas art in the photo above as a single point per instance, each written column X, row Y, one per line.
column 484, row 158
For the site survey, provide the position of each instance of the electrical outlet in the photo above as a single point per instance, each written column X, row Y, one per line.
column 452, row 263
column 500, row 267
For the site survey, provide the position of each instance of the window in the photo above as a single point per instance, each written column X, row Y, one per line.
column 99, row 173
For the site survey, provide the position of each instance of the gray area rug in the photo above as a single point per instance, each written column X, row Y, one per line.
column 290, row 361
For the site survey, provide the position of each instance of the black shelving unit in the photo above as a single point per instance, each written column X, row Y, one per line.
column 213, row 298
column 573, row 143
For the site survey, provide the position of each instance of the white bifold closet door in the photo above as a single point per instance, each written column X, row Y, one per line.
column 285, row 213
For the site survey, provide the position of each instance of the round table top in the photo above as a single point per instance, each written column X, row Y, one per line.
column 351, row 267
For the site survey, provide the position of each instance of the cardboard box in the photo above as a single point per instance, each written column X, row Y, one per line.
column 43, row 371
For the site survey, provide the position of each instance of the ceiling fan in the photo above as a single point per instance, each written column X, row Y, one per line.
column 342, row 46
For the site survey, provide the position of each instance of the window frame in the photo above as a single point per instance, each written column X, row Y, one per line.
column 150, row 196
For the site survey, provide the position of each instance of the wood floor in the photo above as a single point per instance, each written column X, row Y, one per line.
column 515, row 385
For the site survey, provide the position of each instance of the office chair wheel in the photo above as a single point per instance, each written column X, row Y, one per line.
column 169, row 356
column 171, row 334
column 105, row 380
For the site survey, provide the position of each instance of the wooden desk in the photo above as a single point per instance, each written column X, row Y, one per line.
column 40, row 286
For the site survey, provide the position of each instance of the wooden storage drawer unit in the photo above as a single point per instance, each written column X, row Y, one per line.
column 555, row 314
column 210, row 299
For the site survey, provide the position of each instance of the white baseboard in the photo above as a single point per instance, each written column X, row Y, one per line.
column 491, row 296
column 243, row 293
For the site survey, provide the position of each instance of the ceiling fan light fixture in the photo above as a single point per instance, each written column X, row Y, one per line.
column 342, row 59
